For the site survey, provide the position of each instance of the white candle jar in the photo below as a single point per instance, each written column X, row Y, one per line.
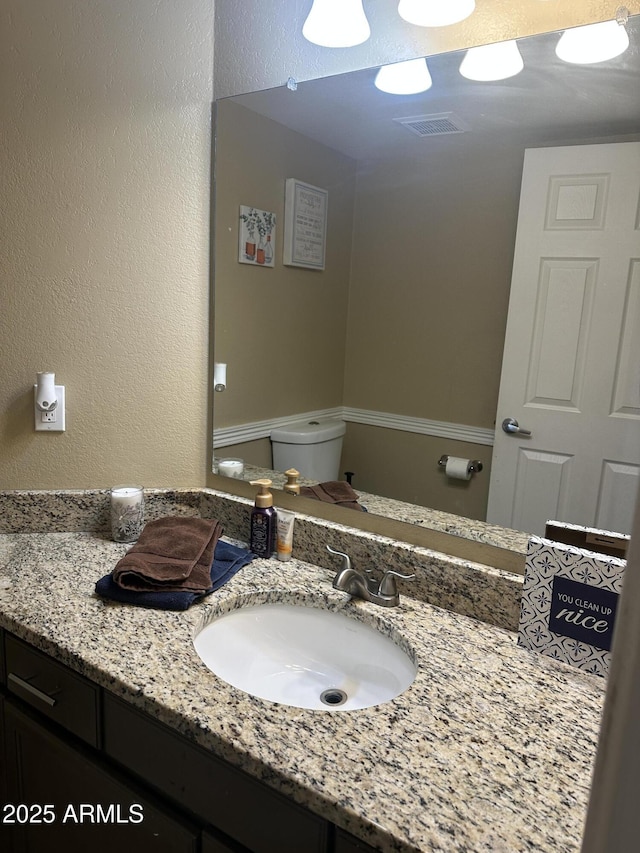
column 231, row 468
column 127, row 513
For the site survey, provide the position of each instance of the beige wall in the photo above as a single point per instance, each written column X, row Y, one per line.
column 104, row 246
column 430, row 283
column 404, row 466
column 281, row 330
column 105, row 148
column 427, row 312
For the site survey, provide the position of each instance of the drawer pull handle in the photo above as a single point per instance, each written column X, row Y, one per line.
column 29, row 688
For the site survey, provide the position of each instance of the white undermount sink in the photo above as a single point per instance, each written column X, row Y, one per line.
column 305, row 656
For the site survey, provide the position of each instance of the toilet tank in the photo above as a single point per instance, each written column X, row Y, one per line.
column 313, row 447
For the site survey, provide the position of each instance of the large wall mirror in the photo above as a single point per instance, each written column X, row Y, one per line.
column 402, row 332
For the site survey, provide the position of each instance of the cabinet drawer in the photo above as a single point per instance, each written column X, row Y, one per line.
column 235, row 803
column 51, row 688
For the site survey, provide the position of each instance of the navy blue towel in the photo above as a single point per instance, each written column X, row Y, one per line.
column 227, row 560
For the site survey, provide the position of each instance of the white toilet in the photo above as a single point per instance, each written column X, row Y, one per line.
column 312, row 447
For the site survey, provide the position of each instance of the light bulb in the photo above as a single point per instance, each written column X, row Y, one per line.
column 492, row 61
column 404, row 78
column 435, row 13
column 336, row 23
column 593, row 43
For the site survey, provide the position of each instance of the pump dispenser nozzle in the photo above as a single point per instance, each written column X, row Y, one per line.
column 292, row 486
column 264, row 496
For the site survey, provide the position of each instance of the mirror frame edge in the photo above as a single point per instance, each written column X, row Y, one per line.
column 471, row 550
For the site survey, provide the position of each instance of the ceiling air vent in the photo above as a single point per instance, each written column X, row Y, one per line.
column 437, row 124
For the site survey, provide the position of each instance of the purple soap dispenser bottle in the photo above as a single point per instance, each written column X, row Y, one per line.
column 262, row 540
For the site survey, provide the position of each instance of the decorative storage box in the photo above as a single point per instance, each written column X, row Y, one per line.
column 569, row 603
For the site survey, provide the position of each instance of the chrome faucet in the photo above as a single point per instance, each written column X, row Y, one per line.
column 383, row 592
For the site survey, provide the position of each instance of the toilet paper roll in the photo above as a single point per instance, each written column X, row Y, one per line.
column 458, row 468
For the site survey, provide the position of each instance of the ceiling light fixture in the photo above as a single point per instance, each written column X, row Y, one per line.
column 492, row 62
column 595, row 42
column 336, row 23
column 435, row 13
column 404, row 78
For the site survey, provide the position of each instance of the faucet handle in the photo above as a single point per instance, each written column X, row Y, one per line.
column 388, row 584
column 346, row 559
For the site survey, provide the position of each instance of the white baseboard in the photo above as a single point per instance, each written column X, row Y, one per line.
column 440, row 429
column 226, row 436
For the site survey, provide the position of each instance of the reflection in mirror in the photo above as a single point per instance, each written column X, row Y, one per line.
column 401, row 334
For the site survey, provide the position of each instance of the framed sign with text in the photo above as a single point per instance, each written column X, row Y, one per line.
column 305, row 225
column 569, row 603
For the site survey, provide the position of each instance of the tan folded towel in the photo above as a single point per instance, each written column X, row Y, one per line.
column 334, row 492
column 172, row 554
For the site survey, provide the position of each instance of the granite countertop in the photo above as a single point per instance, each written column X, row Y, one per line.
column 491, row 748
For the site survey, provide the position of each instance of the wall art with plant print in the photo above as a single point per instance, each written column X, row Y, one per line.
column 256, row 236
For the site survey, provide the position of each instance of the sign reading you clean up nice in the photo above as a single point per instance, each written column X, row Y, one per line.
column 569, row 603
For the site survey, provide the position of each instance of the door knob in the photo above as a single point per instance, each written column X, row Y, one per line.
column 511, row 427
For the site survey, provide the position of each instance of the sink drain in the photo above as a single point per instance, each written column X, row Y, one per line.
column 333, row 697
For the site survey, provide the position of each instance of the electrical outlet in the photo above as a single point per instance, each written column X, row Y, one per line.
column 51, row 421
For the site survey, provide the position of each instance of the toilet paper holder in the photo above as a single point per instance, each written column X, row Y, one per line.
column 475, row 466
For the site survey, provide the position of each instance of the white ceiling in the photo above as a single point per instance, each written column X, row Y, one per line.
column 550, row 101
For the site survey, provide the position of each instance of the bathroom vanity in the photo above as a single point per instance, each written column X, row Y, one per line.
column 490, row 748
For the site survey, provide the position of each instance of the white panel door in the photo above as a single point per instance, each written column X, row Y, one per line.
column 571, row 363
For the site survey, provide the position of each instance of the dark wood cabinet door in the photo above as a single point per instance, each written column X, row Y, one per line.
column 214, row 844
column 89, row 807
column 3, row 756
column 346, row 843
column 52, row 689
column 240, row 806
